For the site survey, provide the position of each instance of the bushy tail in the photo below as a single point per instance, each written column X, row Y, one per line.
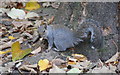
column 91, row 30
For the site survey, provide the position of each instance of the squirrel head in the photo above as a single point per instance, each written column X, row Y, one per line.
column 42, row 31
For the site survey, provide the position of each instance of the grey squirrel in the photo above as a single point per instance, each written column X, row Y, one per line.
column 63, row 38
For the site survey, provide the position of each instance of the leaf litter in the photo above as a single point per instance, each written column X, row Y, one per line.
column 76, row 63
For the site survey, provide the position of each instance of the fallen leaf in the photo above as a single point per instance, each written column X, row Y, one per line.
column 104, row 69
column 36, row 51
column 4, row 52
column 22, row 23
column 74, row 70
column 58, row 62
column 79, row 57
column 11, row 37
column 71, row 61
column 55, row 4
column 38, row 23
column 106, row 31
column 16, row 13
column 8, row 44
column 18, row 64
column 7, row 67
column 31, row 14
column 113, row 58
column 50, row 20
column 29, row 68
column 46, row 4
column 55, row 69
column 112, row 68
column 43, row 64
column 85, row 64
column 32, row 5
column 19, row 5
column 3, row 10
column 27, row 34
column 17, row 53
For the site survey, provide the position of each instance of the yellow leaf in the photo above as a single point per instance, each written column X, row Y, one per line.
column 79, row 57
column 71, row 63
column 11, row 37
column 17, row 53
column 43, row 64
column 4, row 52
column 32, row 5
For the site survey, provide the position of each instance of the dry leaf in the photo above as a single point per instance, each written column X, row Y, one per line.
column 31, row 14
column 58, row 62
column 11, row 37
column 55, row 69
column 22, row 23
column 8, row 44
column 112, row 68
column 79, row 57
column 51, row 20
column 19, row 5
column 113, row 58
column 107, row 31
column 43, row 64
column 77, row 65
column 17, row 53
column 55, row 4
column 104, row 69
column 32, row 5
column 4, row 52
column 36, row 51
column 71, row 61
column 46, row 4
column 3, row 10
column 16, row 13
column 29, row 68
column 38, row 23
column 85, row 64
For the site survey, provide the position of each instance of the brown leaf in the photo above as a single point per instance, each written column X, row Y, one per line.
column 29, row 68
column 71, row 61
column 19, row 5
column 106, row 31
column 58, row 62
column 21, row 23
column 79, row 57
column 51, row 20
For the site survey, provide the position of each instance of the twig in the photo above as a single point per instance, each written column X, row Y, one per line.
column 115, row 45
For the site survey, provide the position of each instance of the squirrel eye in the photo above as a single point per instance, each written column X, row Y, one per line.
column 44, row 31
